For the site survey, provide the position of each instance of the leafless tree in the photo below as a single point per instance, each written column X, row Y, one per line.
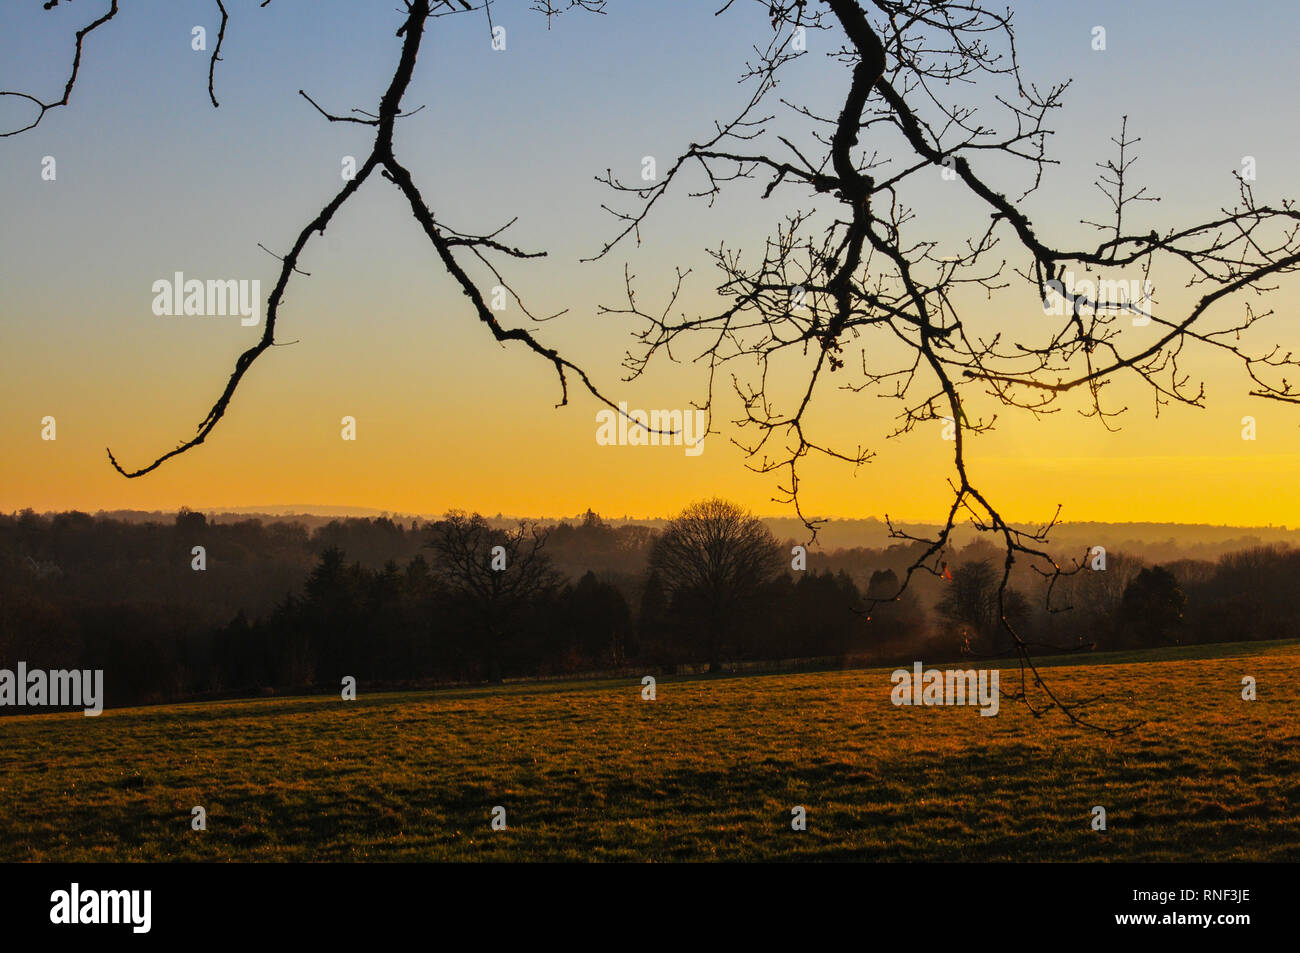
column 493, row 574
column 853, row 292
column 717, row 554
column 969, row 601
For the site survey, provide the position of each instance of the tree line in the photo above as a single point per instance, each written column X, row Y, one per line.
column 465, row 600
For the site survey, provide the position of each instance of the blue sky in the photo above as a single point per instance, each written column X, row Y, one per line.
column 152, row 180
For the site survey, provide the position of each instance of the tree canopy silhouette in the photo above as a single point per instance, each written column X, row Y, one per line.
column 715, row 556
column 495, row 573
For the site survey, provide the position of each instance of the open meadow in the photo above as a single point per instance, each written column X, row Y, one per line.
column 709, row 770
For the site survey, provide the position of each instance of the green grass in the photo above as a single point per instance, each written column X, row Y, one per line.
column 709, row 770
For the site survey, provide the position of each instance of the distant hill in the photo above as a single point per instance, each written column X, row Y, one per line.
column 1158, row 541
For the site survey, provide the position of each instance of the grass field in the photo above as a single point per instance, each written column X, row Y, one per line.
column 709, row 770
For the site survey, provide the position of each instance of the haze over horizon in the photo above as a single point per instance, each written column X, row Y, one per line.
column 325, row 511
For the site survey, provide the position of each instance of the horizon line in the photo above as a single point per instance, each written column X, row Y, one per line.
column 361, row 512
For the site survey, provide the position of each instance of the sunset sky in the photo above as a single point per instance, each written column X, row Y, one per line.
column 151, row 180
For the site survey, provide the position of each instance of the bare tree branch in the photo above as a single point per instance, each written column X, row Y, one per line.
column 72, row 78
column 863, row 281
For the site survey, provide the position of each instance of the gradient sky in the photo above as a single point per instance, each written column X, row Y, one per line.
column 153, row 180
